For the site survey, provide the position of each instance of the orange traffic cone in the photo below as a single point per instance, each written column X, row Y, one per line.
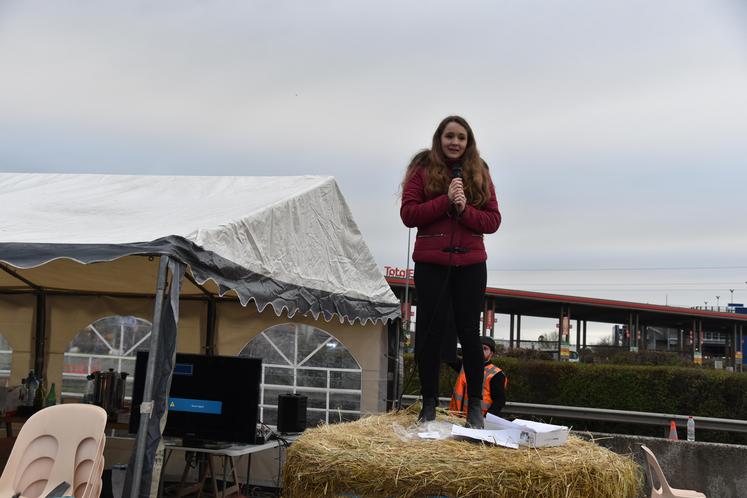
column 673, row 430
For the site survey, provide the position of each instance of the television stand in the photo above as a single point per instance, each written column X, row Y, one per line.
column 207, row 460
column 204, row 444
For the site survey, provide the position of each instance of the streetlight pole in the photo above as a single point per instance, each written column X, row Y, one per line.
column 717, row 298
column 732, row 295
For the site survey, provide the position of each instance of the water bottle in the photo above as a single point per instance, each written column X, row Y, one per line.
column 39, row 397
column 690, row 428
column 22, row 393
column 32, row 385
column 51, row 398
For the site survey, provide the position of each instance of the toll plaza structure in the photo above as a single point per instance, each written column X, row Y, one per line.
column 636, row 322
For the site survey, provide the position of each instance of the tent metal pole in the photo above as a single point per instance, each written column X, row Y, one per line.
column 406, row 320
column 15, row 275
column 404, row 323
column 395, row 380
column 146, row 408
column 40, row 336
column 210, row 327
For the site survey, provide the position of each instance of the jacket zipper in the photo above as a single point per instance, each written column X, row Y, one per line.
column 430, row 235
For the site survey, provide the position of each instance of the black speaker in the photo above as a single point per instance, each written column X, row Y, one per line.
column 291, row 413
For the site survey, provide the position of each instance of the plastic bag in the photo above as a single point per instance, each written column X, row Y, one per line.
column 430, row 430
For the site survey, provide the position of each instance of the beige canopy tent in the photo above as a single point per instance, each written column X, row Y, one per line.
column 285, row 242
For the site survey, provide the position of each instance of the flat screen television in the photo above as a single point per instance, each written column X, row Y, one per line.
column 212, row 398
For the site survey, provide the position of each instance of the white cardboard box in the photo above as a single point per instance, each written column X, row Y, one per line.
column 534, row 434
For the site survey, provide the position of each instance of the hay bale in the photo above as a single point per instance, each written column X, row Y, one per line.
column 366, row 458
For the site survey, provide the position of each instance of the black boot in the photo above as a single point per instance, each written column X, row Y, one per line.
column 428, row 412
column 475, row 419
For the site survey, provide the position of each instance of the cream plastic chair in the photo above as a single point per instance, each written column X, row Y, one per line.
column 88, row 475
column 60, row 449
column 664, row 490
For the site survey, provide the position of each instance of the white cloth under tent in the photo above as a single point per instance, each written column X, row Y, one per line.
column 290, row 242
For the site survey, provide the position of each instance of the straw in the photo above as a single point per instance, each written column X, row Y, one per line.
column 366, row 458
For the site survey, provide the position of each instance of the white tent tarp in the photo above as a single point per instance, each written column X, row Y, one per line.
column 290, row 242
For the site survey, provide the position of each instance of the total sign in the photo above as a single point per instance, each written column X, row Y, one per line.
column 394, row 272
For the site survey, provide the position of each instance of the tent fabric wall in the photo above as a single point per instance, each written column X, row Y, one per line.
column 17, row 325
column 127, row 275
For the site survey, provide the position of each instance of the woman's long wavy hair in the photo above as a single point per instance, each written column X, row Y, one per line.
column 475, row 175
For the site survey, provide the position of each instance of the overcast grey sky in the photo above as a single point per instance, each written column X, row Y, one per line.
column 615, row 130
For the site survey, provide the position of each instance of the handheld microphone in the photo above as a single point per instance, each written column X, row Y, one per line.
column 456, row 171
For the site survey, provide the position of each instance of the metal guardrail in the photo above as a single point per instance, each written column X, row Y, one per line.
column 605, row 415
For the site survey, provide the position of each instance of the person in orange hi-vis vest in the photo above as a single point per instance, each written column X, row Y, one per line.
column 494, row 385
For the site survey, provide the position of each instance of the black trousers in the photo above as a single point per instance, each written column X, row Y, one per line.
column 449, row 303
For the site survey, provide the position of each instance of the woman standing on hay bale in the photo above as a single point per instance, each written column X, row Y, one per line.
column 448, row 195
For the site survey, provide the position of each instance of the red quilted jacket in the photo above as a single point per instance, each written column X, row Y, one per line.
column 443, row 239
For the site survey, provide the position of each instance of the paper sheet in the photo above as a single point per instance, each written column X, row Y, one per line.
column 494, row 422
column 506, row 438
column 498, row 423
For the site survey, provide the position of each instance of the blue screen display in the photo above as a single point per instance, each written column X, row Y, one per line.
column 211, row 398
column 183, row 369
column 195, row 405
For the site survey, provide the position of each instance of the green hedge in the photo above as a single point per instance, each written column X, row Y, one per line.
column 658, row 389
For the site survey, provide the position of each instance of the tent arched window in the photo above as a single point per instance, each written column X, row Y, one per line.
column 300, row 358
column 6, row 356
column 109, row 342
